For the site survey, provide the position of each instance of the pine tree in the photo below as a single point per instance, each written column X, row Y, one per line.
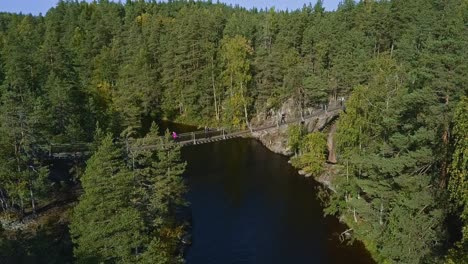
column 159, row 193
column 22, row 126
column 105, row 225
column 65, row 100
column 380, row 153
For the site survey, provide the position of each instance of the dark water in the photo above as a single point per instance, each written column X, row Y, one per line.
column 250, row 206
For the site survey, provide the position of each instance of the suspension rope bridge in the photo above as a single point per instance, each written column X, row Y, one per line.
column 82, row 150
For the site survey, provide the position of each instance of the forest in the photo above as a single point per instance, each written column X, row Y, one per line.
column 91, row 72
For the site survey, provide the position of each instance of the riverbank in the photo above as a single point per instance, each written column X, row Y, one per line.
column 276, row 140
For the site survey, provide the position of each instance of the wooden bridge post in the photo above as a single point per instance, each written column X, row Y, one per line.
column 224, row 134
column 193, row 137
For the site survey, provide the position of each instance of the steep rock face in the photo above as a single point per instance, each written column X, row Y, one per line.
column 289, row 108
column 276, row 138
column 331, row 144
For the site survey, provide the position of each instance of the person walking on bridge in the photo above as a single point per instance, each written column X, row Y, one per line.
column 283, row 118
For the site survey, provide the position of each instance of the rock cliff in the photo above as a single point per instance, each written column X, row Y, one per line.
column 276, row 138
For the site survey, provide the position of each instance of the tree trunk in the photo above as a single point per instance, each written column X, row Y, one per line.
column 33, row 200
column 22, row 206
column 214, row 90
column 445, row 140
column 347, row 170
column 246, row 117
column 4, row 200
column 360, row 143
column 381, row 214
column 230, row 88
column 245, row 109
column 343, row 234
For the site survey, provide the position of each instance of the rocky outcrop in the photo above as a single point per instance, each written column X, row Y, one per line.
column 273, row 116
column 276, row 138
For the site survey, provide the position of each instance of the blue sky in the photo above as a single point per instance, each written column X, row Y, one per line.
column 41, row 6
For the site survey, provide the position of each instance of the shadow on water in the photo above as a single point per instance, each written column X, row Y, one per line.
column 250, row 206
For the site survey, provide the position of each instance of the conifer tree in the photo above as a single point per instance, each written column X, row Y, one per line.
column 159, row 193
column 22, row 126
column 105, row 226
column 388, row 221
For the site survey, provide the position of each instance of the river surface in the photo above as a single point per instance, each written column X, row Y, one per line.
column 249, row 205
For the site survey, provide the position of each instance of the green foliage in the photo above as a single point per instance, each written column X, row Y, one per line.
column 22, row 174
column 235, row 54
column 128, row 210
column 312, row 158
column 458, row 184
column 383, row 153
column 158, row 175
column 105, row 225
column 295, row 137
